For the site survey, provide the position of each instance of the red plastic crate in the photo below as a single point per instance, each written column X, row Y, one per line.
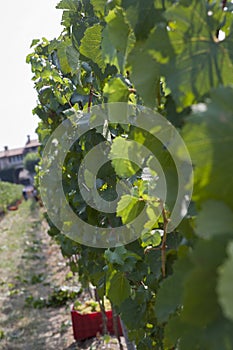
column 88, row 325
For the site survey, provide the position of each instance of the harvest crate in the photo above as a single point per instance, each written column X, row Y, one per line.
column 89, row 325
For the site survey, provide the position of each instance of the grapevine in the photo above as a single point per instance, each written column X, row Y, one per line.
column 171, row 289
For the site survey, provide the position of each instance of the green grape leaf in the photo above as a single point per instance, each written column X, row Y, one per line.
column 117, row 39
column 159, row 154
column 34, row 42
column 122, row 256
column 174, row 329
column 116, row 91
column 145, row 77
column 62, row 50
column 170, row 294
column 122, row 153
column 119, row 288
column 200, row 320
column 91, row 43
column 133, row 313
column 73, row 59
column 145, row 61
column 215, row 336
column 209, row 138
column 128, row 208
column 72, row 5
column 151, row 239
column 99, row 6
column 116, row 256
column 200, row 61
column 213, row 218
column 200, row 304
column 142, row 16
column 225, row 284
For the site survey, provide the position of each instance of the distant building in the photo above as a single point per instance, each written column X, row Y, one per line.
column 13, row 158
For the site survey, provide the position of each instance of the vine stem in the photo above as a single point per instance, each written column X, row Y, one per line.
column 115, row 326
column 103, row 312
column 68, row 101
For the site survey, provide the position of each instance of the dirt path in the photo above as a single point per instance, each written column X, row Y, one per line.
column 31, row 269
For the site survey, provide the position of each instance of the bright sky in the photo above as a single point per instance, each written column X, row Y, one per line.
column 21, row 22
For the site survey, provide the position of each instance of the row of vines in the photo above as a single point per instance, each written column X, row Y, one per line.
column 173, row 290
column 9, row 194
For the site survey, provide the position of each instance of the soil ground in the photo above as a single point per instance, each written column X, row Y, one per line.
column 31, row 268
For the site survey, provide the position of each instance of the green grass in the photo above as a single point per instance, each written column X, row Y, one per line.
column 12, row 236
